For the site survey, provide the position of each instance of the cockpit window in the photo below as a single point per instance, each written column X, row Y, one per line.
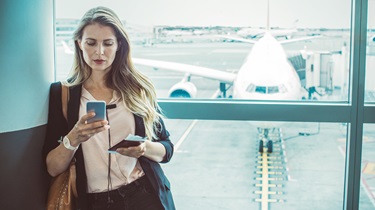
column 282, row 88
column 261, row 89
column 273, row 89
column 266, row 89
column 250, row 88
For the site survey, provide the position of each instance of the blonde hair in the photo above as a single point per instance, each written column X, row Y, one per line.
column 136, row 90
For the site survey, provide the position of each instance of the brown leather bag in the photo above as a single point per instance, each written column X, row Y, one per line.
column 62, row 193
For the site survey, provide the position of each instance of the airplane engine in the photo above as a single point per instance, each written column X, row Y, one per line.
column 183, row 89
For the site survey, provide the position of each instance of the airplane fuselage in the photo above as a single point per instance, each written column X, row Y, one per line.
column 267, row 74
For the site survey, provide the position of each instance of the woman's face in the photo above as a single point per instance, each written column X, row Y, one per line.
column 99, row 46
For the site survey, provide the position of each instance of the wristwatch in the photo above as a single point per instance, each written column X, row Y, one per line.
column 66, row 143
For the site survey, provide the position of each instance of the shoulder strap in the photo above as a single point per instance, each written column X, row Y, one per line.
column 64, row 100
column 72, row 168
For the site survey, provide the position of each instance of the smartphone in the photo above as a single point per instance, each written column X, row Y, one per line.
column 130, row 141
column 99, row 108
column 125, row 143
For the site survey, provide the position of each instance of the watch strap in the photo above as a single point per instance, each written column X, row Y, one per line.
column 66, row 143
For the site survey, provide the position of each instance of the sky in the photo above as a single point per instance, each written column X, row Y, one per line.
column 251, row 13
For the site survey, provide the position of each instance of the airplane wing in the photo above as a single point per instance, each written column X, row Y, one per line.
column 209, row 73
column 185, row 68
column 287, row 41
column 238, row 39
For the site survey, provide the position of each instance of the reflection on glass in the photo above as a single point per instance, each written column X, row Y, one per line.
column 298, row 57
column 370, row 58
column 217, row 165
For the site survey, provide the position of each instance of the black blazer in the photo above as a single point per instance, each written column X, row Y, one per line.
column 57, row 127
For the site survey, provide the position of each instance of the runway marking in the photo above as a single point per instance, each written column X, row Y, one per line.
column 191, row 126
column 186, row 133
column 370, row 194
column 369, row 168
column 264, row 195
column 271, row 170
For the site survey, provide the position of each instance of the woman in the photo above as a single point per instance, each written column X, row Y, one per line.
column 103, row 70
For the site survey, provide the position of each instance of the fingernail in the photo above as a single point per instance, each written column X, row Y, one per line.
column 106, row 126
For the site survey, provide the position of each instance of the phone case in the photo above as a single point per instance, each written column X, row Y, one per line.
column 99, row 108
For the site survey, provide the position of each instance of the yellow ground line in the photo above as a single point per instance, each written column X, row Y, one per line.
column 264, row 196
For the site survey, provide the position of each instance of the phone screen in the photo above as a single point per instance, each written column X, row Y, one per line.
column 98, row 107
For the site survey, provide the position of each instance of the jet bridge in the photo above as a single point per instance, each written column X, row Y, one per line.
column 325, row 72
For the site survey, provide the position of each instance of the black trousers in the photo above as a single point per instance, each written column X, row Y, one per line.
column 138, row 195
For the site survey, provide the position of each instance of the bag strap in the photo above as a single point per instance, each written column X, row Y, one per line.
column 72, row 168
column 73, row 177
column 65, row 100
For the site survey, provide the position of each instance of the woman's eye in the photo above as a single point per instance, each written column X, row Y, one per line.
column 108, row 43
column 90, row 43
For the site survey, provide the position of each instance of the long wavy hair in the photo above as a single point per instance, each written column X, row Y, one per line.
column 136, row 90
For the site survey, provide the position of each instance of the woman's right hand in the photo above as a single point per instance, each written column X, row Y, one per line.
column 83, row 131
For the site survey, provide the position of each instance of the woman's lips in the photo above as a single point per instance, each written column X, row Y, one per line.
column 99, row 61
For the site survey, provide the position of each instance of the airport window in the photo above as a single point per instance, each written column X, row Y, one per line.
column 320, row 126
column 316, row 54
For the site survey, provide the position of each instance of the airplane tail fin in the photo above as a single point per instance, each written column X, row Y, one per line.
column 268, row 15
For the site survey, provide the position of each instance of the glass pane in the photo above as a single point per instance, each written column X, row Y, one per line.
column 370, row 58
column 367, row 192
column 304, row 55
column 217, row 165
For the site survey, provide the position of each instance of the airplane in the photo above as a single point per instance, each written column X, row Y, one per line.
column 266, row 74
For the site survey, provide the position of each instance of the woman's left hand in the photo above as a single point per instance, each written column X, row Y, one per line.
column 136, row 151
